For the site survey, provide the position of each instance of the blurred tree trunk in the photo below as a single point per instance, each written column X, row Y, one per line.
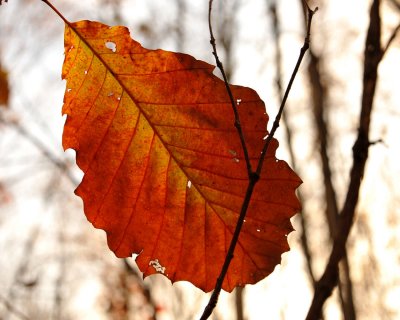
column 372, row 57
column 319, row 94
column 239, row 303
column 319, row 101
column 289, row 133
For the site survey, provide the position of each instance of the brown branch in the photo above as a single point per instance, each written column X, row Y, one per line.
column 346, row 289
column 289, row 137
column 391, row 38
column 239, row 303
column 57, row 12
column 227, row 31
column 228, row 89
column 253, row 176
column 372, row 57
column 275, row 125
column 319, row 97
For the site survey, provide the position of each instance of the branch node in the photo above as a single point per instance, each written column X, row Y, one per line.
column 254, row 177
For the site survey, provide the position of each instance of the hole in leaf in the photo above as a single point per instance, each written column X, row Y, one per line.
column 238, row 101
column 157, row 266
column 189, row 184
column 233, row 152
column 111, row 45
column 86, row 71
column 236, row 160
column 110, row 94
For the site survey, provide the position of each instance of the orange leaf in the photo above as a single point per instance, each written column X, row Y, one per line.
column 164, row 173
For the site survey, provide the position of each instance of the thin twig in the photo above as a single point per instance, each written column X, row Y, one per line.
column 228, row 89
column 57, row 12
column 253, row 176
column 275, row 126
column 289, row 138
column 372, row 58
column 391, row 38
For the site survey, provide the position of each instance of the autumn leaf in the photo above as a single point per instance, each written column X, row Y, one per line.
column 164, row 171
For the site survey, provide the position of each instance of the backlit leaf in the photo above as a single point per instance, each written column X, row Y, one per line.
column 164, row 173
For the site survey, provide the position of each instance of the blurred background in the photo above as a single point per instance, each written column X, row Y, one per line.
column 55, row 265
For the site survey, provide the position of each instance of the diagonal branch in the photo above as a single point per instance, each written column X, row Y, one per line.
column 372, row 58
column 289, row 136
column 319, row 97
column 275, row 126
column 393, row 36
column 228, row 89
column 253, row 176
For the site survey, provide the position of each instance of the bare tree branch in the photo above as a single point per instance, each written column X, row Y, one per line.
column 228, row 89
column 319, row 97
column 372, row 58
column 253, row 176
column 391, row 38
column 289, row 136
column 239, row 303
column 303, row 50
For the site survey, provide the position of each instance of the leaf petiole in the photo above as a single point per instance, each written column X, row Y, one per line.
column 56, row 11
